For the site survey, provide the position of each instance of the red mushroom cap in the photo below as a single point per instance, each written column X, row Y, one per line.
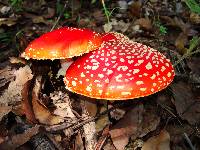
column 63, row 43
column 119, row 71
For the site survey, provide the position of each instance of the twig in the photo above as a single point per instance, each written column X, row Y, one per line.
column 189, row 141
column 61, row 13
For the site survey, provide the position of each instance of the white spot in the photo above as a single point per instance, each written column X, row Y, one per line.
column 125, row 93
column 167, row 64
column 107, row 80
column 153, row 77
column 114, row 57
column 163, row 68
column 152, row 90
column 148, row 66
column 96, row 81
column 128, row 57
column 95, row 67
column 164, row 79
column 130, row 61
column 136, row 71
column 89, row 89
column 107, row 64
column 117, row 78
column 128, row 74
column 93, row 60
column 100, row 91
column 109, row 72
column 99, row 85
column 74, row 83
column 154, row 84
column 124, row 68
column 100, row 75
column 120, row 87
column 82, row 75
column 122, row 59
column 140, row 61
column 169, row 74
column 143, row 89
column 139, row 82
column 112, row 51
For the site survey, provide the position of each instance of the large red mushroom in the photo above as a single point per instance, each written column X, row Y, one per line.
column 120, row 69
column 62, row 43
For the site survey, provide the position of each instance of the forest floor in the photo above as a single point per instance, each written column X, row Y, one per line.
column 37, row 112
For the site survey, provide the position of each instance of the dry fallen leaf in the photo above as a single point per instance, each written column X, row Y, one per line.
column 144, row 23
column 180, row 43
column 193, row 64
column 187, row 105
column 136, row 8
column 115, row 25
column 8, row 21
column 159, row 142
column 127, row 126
column 63, row 105
column 13, row 93
column 42, row 114
column 19, row 139
column 4, row 110
column 136, row 123
column 102, row 121
column 195, row 18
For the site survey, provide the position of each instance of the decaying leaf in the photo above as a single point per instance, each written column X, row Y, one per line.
column 115, row 25
column 19, row 139
column 41, row 112
column 136, row 8
column 180, row 43
column 193, row 64
column 63, row 105
column 8, row 21
column 144, row 23
column 27, row 109
column 159, row 142
column 6, row 75
column 103, row 120
column 195, row 18
column 78, row 142
column 127, row 126
column 4, row 110
column 187, row 105
column 135, row 123
column 13, row 93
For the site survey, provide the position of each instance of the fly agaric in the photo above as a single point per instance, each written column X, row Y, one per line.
column 62, row 43
column 120, row 69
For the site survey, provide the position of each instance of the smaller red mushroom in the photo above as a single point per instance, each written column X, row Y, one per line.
column 120, row 69
column 62, row 43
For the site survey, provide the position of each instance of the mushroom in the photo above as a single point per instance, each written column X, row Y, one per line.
column 65, row 42
column 119, row 70
column 62, row 43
